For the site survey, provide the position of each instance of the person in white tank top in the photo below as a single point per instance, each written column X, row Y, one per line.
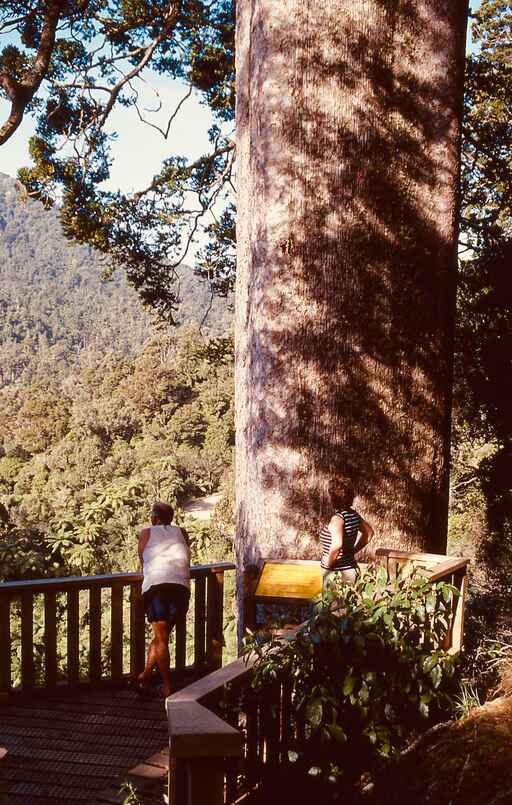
column 165, row 557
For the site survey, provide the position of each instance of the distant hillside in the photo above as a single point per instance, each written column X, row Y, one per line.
column 56, row 312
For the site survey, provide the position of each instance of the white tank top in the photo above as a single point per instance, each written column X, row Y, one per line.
column 166, row 557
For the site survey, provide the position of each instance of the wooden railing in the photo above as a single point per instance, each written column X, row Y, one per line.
column 91, row 629
column 225, row 738
column 434, row 567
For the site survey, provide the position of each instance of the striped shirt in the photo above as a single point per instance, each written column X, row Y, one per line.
column 345, row 558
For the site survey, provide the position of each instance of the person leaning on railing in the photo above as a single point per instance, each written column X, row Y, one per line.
column 343, row 536
column 165, row 557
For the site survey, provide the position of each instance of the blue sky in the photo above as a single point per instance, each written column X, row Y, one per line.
column 139, row 150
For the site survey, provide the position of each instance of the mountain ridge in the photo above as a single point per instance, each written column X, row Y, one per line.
column 57, row 312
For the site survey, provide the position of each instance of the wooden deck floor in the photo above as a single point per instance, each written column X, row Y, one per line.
column 78, row 747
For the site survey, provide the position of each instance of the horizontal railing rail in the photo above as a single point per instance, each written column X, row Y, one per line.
column 224, row 736
column 91, row 629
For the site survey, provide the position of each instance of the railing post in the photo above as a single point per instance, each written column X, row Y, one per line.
column 116, row 632
column 95, row 634
column 199, row 623
column 27, row 641
column 137, row 630
column 50, row 639
column 73, row 636
column 214, row 623
column 199, row 742
column 460, row 580
column 205, row 782
column 5, row 643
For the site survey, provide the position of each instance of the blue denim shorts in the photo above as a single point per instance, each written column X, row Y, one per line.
column 166, row 602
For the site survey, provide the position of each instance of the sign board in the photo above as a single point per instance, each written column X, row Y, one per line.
column 283, row 593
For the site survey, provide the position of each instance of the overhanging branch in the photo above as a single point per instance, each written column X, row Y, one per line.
column 20, row 93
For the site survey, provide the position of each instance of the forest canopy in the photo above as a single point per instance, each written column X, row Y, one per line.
column 101, row 411
column 82, row 460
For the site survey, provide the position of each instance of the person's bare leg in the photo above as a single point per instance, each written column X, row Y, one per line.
column 159, row 655
column 144, row 678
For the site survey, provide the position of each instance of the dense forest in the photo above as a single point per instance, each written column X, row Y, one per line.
column 57, row 309
column 102, row 411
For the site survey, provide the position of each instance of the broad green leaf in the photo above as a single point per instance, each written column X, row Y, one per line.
column 364, row 693
column 436, row 675
column 447, row 594
column 314, row 712
column 382, row 576
column 337, row 733
column 429, row 662
column 372, row 735
column 348, row 685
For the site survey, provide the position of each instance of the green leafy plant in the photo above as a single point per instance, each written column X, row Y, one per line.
column 467, row 699
column 368, row 670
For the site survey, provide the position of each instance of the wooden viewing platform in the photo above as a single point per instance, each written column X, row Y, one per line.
column 78, row 747
column 71, row 729
column 74, row 732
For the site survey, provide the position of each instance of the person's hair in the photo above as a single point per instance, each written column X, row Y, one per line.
column 163, row 511
column 341, row 493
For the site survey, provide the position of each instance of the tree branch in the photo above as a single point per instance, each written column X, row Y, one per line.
column 462, row 484
column 165, row 133
column 158, row 181
column 21, row 93
column 170, row 21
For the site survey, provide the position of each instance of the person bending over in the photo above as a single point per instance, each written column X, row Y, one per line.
column 343, row 536
column 165, row 557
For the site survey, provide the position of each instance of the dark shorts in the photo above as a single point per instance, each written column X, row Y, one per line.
column 166, row 602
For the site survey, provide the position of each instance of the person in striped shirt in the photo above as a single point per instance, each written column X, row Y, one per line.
column 343, row 536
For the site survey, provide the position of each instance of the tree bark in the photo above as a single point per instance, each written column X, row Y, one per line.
column 348, row 127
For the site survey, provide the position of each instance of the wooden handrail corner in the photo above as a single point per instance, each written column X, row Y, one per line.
column 196, row 732
column 452, row 565
column 393, row 553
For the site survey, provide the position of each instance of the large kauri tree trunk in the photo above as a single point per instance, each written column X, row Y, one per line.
column 348, row 125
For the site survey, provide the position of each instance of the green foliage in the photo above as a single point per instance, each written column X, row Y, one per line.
column 482, row 498
column 100, row 53
column 466, row 700
column 58, row 314
column 110, row 440
column 487, row 636
column 368, row 671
